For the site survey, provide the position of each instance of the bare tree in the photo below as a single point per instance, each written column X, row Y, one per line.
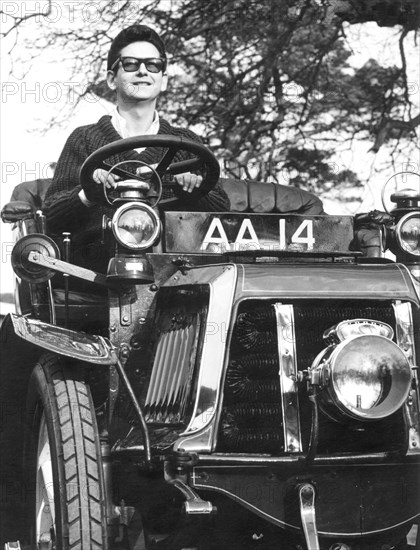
column 267, row 81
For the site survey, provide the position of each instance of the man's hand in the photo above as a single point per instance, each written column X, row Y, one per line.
column 103, row 178
column 188, row 181
column 92, row 192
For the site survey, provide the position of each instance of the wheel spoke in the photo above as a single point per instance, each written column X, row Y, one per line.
column 185, row 166
column 166, row 160
column 124, row 174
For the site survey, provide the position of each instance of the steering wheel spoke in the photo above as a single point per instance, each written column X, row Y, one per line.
column 124, row 174
column 166, row 160
column 185, row 166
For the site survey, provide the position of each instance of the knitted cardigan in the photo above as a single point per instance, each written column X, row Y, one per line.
column 65, row 211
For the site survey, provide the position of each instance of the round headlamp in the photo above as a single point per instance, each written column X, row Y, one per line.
column 407, row 233
column 364, row 377
column 136, row 226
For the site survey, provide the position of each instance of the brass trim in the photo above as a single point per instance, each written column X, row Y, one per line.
column 286, row 342
column 405, row 340
column 201, row 433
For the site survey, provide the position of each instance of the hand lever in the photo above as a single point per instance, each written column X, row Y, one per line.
column 307, row 514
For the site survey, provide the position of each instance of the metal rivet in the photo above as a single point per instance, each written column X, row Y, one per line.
column 124, row 351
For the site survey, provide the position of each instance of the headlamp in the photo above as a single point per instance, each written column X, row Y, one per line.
column 356, row 327
column 407, row 233
column 136, row 226
column 365, row 377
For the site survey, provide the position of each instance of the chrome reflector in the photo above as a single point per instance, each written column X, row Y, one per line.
column 365, row 377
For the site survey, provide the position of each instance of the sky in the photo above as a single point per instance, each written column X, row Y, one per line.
column 28, row 103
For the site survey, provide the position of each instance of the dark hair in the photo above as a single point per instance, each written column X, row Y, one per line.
column 134, row 33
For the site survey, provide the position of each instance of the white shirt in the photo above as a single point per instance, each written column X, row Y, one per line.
column 120, row 124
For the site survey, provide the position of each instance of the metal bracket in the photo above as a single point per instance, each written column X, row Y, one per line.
column 194, row 504
column 307, row 514
column 68, row 269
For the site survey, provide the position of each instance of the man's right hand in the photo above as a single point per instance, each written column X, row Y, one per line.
column 102, row 177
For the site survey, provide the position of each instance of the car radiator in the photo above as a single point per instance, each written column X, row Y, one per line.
column 252, row 411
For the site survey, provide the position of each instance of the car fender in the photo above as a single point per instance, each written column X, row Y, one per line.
column 77, row 345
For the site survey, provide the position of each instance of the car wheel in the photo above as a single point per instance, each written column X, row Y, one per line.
column 65, row 487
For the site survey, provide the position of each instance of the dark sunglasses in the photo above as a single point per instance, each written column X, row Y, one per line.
column 132, row 64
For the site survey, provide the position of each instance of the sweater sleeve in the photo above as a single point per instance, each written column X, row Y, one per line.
column 63, row 208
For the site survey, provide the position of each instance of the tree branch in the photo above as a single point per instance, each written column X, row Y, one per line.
column 386, row 13
column 390, row 126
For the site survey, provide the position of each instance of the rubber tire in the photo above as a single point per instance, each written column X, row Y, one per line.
column 59, row 391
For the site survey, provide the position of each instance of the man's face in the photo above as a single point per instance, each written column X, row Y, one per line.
column 140, row 85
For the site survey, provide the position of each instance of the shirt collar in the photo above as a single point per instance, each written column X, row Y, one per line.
column 120, row 124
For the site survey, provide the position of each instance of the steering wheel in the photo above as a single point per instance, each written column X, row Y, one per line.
column 203, row 159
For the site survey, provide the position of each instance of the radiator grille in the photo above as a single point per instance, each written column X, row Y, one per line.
column 251, row 415
column 175, row 358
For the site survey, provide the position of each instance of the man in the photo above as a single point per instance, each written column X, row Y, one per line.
column 137, row 72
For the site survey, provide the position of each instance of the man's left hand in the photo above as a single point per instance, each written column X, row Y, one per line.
column 188, row 181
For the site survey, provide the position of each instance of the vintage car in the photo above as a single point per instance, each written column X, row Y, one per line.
column 250, row 381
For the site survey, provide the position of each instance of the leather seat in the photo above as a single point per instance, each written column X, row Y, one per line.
column 31, row 192
column 26, row 199
column 263, row 198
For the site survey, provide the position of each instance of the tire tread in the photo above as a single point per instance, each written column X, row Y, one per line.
column 80, row 454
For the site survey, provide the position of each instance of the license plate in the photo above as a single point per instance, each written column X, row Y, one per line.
column 218, row 233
